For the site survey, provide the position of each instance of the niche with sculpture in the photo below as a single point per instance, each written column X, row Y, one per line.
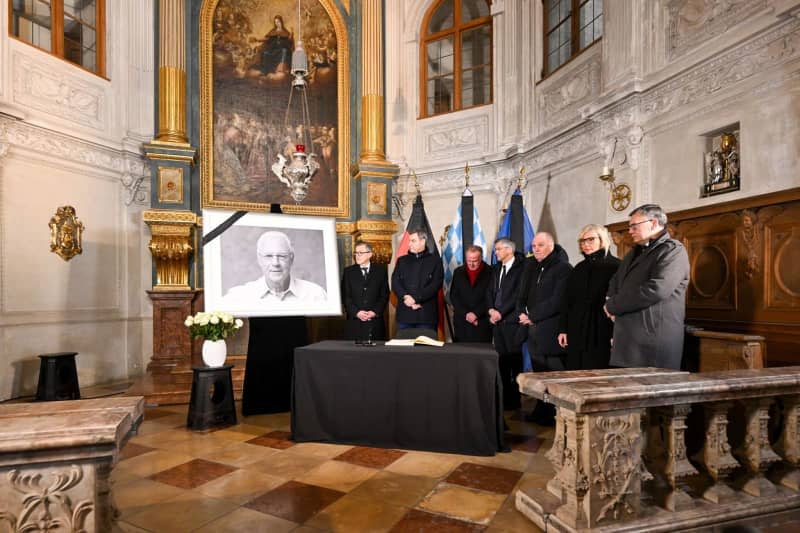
column 721, row 163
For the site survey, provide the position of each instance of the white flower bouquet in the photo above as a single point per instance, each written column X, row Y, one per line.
column 213, row 326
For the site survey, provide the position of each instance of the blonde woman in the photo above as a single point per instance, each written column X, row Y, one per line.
column 585, row 330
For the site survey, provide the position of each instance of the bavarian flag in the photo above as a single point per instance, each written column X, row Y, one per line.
column 464, row 232
column 419, row 219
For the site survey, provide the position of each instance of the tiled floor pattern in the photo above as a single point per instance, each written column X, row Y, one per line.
column 252, row 478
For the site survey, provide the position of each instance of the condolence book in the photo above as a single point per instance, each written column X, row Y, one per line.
column 422, row 339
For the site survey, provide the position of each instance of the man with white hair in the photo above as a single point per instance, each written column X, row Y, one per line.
column 275, row 256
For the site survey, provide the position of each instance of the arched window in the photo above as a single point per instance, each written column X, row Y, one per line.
column 456, row 56
column 70, row 29
column 570, row 26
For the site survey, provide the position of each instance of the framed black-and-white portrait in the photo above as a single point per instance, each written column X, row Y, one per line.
column 271, row 265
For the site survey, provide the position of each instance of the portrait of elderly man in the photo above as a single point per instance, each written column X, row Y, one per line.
column 275, row 256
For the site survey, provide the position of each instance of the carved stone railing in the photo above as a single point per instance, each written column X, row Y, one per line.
column 662, row 450
column 56, row 460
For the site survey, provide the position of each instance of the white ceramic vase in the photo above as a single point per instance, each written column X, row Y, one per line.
column 214, row 352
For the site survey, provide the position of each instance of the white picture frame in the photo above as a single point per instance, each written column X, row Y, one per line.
column 233, row 277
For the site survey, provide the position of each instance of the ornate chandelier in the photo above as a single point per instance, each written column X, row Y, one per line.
column 297, row 174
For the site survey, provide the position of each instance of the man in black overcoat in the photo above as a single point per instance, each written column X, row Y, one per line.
column 647, row 295
column 365, row 291
column 468, row 296
column 539, row 307
column 416, row 281
column 501, row 297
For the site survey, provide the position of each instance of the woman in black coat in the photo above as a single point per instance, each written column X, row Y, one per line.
column 585, row 331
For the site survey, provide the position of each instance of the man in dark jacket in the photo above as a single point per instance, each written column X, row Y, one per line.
column 539, row 307
column 646, row 295
column 468, row 296
column 416, row 281
column 501, row 297
column 365, row 290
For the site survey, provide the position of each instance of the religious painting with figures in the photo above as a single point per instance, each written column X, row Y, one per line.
column 253, row 118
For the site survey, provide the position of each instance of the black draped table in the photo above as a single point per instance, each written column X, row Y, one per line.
column 446, row 399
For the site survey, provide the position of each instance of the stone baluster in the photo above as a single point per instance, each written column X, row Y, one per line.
column 716, row 452
column 788, row 445
column 556, row 453
column 672, row 465
column 572, row 475
column 755, row 452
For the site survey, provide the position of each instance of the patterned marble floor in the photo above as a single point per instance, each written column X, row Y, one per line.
column 251, row 477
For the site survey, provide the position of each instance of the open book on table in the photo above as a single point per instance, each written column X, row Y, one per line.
column 422, row 339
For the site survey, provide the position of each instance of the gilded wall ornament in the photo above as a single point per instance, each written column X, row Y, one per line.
column 65, row 233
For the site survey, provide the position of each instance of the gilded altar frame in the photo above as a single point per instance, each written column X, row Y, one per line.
column 342, row 208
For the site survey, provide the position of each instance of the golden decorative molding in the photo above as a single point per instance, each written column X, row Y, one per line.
column 377, row 226
column 381, row 246
column 162, row 215
column 65, row 233
column 171, row 245
column 343, row 228
column 342, row 209
column 391, row 174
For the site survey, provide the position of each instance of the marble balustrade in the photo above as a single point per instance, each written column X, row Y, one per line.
column 56, row 459
column 662, row 450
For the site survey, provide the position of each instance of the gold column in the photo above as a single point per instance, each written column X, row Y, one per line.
column 172, row 73
column 372, row 113
column 171, row 245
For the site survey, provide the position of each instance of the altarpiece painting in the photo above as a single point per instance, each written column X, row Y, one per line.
column 247, row 118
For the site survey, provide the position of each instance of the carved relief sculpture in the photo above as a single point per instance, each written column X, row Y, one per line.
column 63, row 504
column 65, row 233
column 751, row 235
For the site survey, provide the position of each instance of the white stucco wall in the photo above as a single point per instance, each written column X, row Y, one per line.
column 68, row 137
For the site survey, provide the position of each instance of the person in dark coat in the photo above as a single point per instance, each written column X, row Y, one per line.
column 468, row 296
column 584, row 329
column 539, row 308
column 416, row 281
column 365, row 291
column 539, row 303
column 646, row 297
column 501, row 296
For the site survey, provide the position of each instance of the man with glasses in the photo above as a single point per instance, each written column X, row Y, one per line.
column 501, row 297
column 646, row 295
column 365, row 290
column 275, row 256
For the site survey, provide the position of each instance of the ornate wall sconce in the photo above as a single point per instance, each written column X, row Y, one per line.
column 620, row 194
column 65, row 233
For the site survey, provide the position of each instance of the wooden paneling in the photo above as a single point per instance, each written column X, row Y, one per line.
column 745, row 268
